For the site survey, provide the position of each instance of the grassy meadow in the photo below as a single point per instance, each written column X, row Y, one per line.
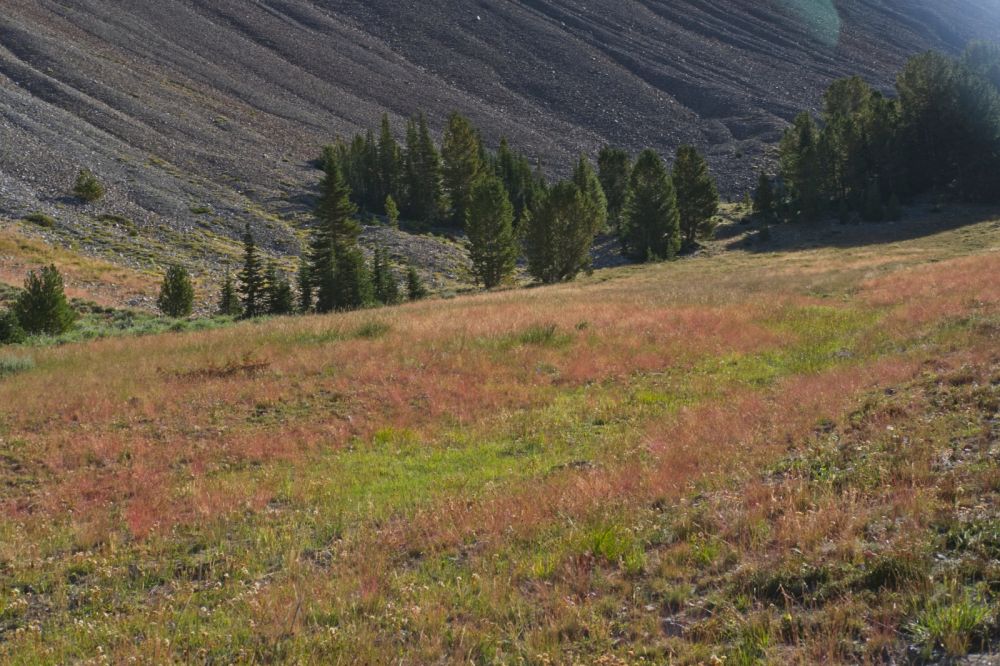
column 747, row 457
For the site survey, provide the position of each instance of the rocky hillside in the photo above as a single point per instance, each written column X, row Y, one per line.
column 202, row 115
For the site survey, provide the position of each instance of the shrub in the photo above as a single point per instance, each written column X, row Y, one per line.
column 42, row 306
column 41, row 219
column 88, row 188
column 176, row 293
column 11, row 332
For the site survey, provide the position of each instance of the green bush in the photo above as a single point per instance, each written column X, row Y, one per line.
column 176, row 293
column 41, row 219
column 88, row 188
column 11, row 332
column 42, row 306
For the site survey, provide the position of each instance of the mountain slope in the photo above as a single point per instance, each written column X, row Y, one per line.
column 180, row 104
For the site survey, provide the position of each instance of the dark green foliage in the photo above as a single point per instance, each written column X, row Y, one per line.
column 42, row 307
column 650, row 219
column 893, row 209
column 352, row 280
column 489, row 226
column 801, row 166
column 615, row 168
column 390, row 164
column 763, row 197
column 460, row 151
column 523, row 186
column 229, row 300
column 176, row 293
column 251, row 279
column 873, row 210
column 415, row 289
column 422, row 174
column 586, row 180
column 336, row 232
column 558, row 234
column 697, row 195
column 305, row 287
column 392, row 212
column 41, row 219
column 87, row 187
column 11, row 332
column 279, row 299
column 386, row 289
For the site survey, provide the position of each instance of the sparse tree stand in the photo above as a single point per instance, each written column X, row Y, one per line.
column 176, row 293
column 558, row 235
column 88, row 188
column 251, row 279
column 415, row 288
column 650, row 219
column 42, row 307
column 229, row 300
column 490, row 229
column 697, row 196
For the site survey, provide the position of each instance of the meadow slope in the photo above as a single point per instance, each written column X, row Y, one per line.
column 786, row 456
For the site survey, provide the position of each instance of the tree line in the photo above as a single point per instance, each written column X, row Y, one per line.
column 867, row 153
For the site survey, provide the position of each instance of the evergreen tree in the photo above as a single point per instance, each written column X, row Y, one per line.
column 489, row 226
column 392, row 212
column 873, row 210
column 390, row 164
column 336, row 232
column 415, row 288
column 650, row 219
column 423, row 173
column 589, row 184
column 251, row 279
column 279, row 298
column 763, row 198
column 522, row 186
column 11, row 332
column 176, row 293
column 87, row 187
column 229, row 301
column 558, row 235
column 352, row 282
column 893, row 210
column 305, row 286
column 697, row 195
column 614, row 167
column 383, row 281
column 42, row 306
column 801, row 166
column 460, row 150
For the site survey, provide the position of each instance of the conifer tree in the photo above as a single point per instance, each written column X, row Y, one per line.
column 801, row 166
column 392, row 212
column 558, row 235
column 229, row 301
column 650, row 219
column 251, row 279
column 614, row 168
column 390, row 164
column 279, row 298
column 586, row 180
column 518, row 178
column 383, row 281
column 763, row 198
column 87, row 187
column 423, row 173
column 42, row 306
column 460, row 151
column 336, row 232
column 697, row 195
column 489, row 227
column 176, row 297
column 352, row 283
column 415, row 289
column 305, row 286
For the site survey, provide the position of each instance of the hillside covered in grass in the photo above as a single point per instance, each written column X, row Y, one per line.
column 771, row 454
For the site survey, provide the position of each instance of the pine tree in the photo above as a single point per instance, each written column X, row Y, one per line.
column 558, row 235
column 415, row 288
column 251, row 279
column 336, row 232
column 229, row 301
column 697, row 195
column 460, row 151
column 352, row 283
column 176, row 293
column 873, row 210
column 11, row 332
column 87, row 187
column 523, row 188
column 279, row 298
column 650, row 219
column 423, row 174
column 392, row 212
column 305, row 287
column 614, row 167
column 383, row 281
column 42, row 306
column 390, row 164
column 586, row 180
column 801, row 166
column 489, row 226
column 893, row 210
column 763, row 198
